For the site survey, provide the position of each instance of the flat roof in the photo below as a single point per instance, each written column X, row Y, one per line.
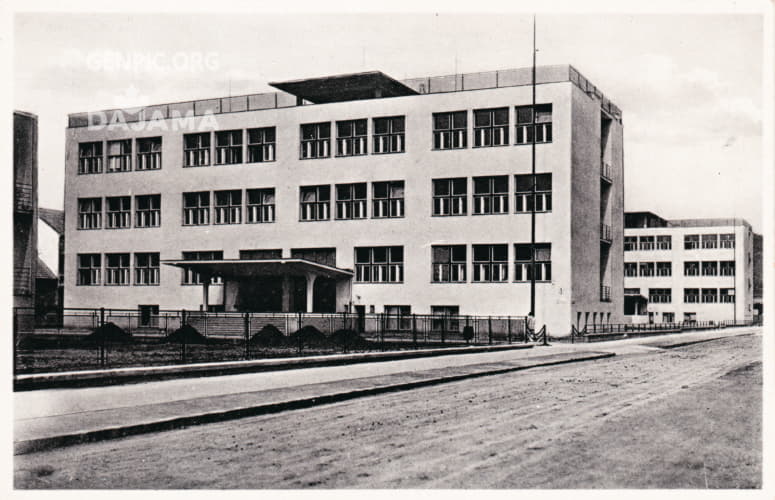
column 261, row 267
column 349, row 87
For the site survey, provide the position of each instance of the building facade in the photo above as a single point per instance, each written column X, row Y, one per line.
column 355, row 193
column 25, row 208
column 687, row 269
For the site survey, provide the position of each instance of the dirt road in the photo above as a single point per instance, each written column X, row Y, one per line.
column 688, row 417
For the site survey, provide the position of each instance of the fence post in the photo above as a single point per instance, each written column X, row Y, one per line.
column 103, row 354
column 489, row 330
column 247, row 335
column 573, row 334
column 443, row 327
column 546, row 340
column 182, row 318
column 381, row 331
column 414, row 330
column 15, row 337
column 508, row 323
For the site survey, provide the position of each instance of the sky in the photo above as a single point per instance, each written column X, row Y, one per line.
column 689, row 85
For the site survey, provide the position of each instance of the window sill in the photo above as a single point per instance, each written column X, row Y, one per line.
column 117, row 228
column 537, row 211
column 450, row 282
column 261, row 222
column 316, row 158
column 449, row 149
column 449, row 215
column 196, row 166
column 257, row 162
column 391, row 217
column 89, row 228
column 147, row 227
column 388, row 152
column 491, row 146
column 314, row 220
column 116, row 284
column 351, row 156
column 147, row 284
column 498, row 213
column 117, row 171
column 529, row 143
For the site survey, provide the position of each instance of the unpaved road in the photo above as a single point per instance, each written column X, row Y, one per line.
column 688, row 417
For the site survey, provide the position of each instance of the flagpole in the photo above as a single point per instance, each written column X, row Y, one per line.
column 533, row 183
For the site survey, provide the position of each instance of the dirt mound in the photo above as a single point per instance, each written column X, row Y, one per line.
column 348, row 339
column 268, row 336
column 309, row 336
column 109, row 332
column 186, row 334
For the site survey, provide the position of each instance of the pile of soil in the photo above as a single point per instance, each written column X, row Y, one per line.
column 186, row 334
column 308, row 336
column 348, row 339
column 109, row 332
column 268, row 336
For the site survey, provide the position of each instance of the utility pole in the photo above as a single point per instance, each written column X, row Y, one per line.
column 533, row 183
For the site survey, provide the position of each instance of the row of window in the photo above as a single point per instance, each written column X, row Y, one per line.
column 696, row 268
column 118, row 270
column 258, row 145
column 691, row 295
column 118, row 212
column 691, row 242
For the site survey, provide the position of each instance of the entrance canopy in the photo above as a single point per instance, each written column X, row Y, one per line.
column 238, row 268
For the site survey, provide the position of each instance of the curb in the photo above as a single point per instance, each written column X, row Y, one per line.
column 42, row 444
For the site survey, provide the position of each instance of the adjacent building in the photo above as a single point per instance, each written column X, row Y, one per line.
column 687, row 269
column 355, row 193
column 25, row 208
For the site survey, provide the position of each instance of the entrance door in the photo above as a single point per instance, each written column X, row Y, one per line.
column 147, row 312
column 361, row 312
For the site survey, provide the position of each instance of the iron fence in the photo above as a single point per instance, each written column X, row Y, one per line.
column 636, row 328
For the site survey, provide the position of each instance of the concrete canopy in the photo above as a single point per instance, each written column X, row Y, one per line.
column 350, row 87
column 238, row 268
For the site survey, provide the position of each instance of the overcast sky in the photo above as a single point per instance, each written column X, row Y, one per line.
column 689, row 86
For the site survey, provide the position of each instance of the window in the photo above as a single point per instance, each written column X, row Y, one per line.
column 660, row 295
column 491, row 263
column 542, row 132
column 664, row 242
column 379, row 264
column 630, row 269
column 727, row 240
column 668, row 317
column 228, row 206
column 727, row 267
column 260, row 206
column 449, row 263
column 148, row 153
column 491, row 127
column 316, row 140
column 449, row 196
column 710, row 268
column 398, row 318
column 194, row 278
column 89, row 267
column 196, row 149
column 450, row 130
column 387, row 199
column 196, row 208
column 691, row 241
column 727, row 295
column 647, row 269
column 646, row 243
column 445, row 318
column 261, row 254
column 491, row 195
column 315, row 202
column 261, row 144
column 389, row 135
column 148, row 210
column 709, row 241
column 351, row 138
column 691, row 295
column 90, row 158
column 632, row 291
column 351, row 201
column 664, row 268
column 228, row 147
column 117, row 269
column 543, row 193
column 120, row 156
column 325, row 256
column 691, row 268
column 630, row 243
column 147, row 268
column 709, row 295
column 543, row 262
column 118, row 212
column 89, row 213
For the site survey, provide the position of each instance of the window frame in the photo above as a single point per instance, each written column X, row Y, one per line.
column 124, row 157
column 317, row 146
column 390, row 271
column 353, row 138
column 452, row 136
column 453, row 265
column 91, row 162
column 388, row 206
column 92, row 213
column 148, row 274
column 527, row 131
column 484, row 270
column 93, row 269
column 123, row 215
column 482, row 131
column 229, row 213
column 523, row 200
column 393, row 140
column 118, row 275
column 262, row 212
column 231, row 151
column 198, row 211
column 152, row 213
column 265, row 149
column 316, row 206
column 346, row 207
column 483, row 203
column 542, row 267
column 456, row 204
column 152, row 156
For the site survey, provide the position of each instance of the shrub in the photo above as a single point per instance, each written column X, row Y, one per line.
column 348, row 339
column 109, row 332
column 309, row 336
column 186, row 334
column 468, row 333
column 268, row 336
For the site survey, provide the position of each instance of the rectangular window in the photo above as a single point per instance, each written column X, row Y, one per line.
column 449, row 263
column 147, row 268
column 450, row 130
column 261, row 254
column 709, row 295
column 196, row 208
column 445, row 318
column 117, row 269
column 660, row 295
column 325, row 256
column 90, row 157
column 118, row 212
column 192, row 277
column 351, row 201
column 710, row 268
column 491, row 263
column 691, row 241
column 315, row 202
column 196, row 149
column 379, row 264
column 89, row 213
column 148, row 153
column 630, row 243
column 316, row 140
column 261, row 144
column 228, row 147
column 491, row 195
column 668, row 317
column 646, row 242
column 450, row 196
column 727, row 240
column 541, row 131
column 691, row 295
column 228, row 206
column 630, row 269
column 691, row 268
column 491, row 127
column 664, row 268
column 543, row 262
column 727, row 295
column 260, row 205
column 398, row 318
column 647, row 269
column 120, row 156
column 387, row 199
column 664, row 242
column 351, row 138
column 89, row 268
column 148, row 210
column 709, row 241
column 389, row 135
column 727, row 267
column 524, row 191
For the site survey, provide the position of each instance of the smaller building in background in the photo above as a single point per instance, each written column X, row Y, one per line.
column 25, row 208
column 687, row 270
